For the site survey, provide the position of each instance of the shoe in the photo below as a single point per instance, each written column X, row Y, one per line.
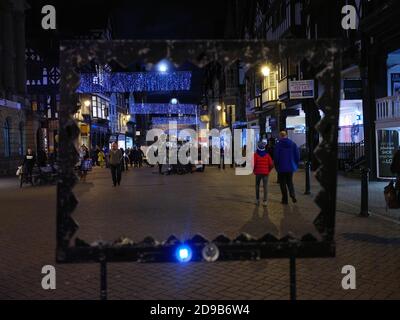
column 294, row 199
column 264, row 203
column 284, row 201
column 257, row 202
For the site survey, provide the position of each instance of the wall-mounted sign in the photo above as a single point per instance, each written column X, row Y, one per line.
column 303, row 89
column 387, row 144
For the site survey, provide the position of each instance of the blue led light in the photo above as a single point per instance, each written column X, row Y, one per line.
column 178, row 120
column 183, row 253
column 136, row 82
column 164, row 108
column 174, row 101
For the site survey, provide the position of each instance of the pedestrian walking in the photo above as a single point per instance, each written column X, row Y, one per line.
column 28, row 164
column 262, row 166
column 286, row 159
column 101, row 158
column 85, row 164
column 115, row 159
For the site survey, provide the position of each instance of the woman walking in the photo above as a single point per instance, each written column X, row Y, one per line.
column 262, row 166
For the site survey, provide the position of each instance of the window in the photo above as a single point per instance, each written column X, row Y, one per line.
column 94, row 106
column 6, row 136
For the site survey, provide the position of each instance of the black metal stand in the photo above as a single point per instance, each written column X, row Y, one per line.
column 308, row 174
column 364, row 212
column 292, row 278
column 103, row 279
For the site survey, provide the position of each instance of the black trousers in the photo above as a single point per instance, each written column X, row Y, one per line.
column 286, row 182
column 115, row 173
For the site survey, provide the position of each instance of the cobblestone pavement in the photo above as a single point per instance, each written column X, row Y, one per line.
column 210, row 203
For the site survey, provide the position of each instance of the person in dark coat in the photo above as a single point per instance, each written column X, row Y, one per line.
column 395, row 166
column 286, row 160
column 29, row 163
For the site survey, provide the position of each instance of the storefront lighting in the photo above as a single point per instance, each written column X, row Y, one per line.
column 219, row 107
column 86, row 103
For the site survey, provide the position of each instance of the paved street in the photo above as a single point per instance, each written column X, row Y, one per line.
column 208, row 203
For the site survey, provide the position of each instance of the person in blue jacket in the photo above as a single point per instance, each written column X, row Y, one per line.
column 286, row 159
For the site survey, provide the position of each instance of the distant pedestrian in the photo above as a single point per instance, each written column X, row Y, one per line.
column 86, row 163
column 115, row 159
column 262, row 166
column 286, row 159
column 28, row 164
column 222, row 157
column 101, row 158
column 395, row 166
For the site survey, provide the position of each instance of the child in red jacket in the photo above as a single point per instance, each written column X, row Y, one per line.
column 262, row 166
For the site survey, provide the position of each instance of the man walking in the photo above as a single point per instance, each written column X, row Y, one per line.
column 115, row 158
column 286, row 160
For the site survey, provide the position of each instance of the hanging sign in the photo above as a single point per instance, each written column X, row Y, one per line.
column 303, row 89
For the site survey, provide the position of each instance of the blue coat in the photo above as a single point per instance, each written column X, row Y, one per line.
column 286, row 156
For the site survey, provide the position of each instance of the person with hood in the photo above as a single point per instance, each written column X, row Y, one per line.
column 262, row 166
column 286, row 159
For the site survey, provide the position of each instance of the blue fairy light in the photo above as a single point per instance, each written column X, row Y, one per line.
column 135, row 82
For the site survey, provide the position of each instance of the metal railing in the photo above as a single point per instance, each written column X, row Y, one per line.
column 350, row 154
column 388, row 108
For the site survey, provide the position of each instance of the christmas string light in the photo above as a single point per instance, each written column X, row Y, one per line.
column 135, row 82
column 179, row 120
column 164, row 108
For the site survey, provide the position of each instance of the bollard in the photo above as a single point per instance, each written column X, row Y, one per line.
column 364, row 212
column 307, row 169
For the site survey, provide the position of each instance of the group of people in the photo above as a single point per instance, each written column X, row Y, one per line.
column 285, row 157
column 108, row 159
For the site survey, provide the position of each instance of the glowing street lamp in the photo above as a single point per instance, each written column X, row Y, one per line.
column 219, row 107
column 265, row 71
column 162, row 67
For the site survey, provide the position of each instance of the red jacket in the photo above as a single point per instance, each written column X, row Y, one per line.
column 262, row 164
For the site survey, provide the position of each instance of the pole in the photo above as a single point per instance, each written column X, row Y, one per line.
column 364, row 212
column 103, row 278
column 292, row 278
column 308, row 174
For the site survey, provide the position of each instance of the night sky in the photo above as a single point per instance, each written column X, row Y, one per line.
column 149, row 19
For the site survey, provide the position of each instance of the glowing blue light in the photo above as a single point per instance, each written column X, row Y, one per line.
column 162, row 67
column 183, row 253
column 184, row 120
column 164, row 108
column 174, row 101
column 136, row 82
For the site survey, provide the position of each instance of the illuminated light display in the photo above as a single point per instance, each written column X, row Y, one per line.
column 135, row 82
column 164, row 108
column 178, row 120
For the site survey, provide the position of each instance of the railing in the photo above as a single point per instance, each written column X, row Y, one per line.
column 388, row 108
column 350, row 154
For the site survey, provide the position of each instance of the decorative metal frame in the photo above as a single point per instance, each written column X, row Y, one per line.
column 323, row 56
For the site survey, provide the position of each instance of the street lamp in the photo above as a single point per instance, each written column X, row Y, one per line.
column 265, row 71
column 219, row 107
